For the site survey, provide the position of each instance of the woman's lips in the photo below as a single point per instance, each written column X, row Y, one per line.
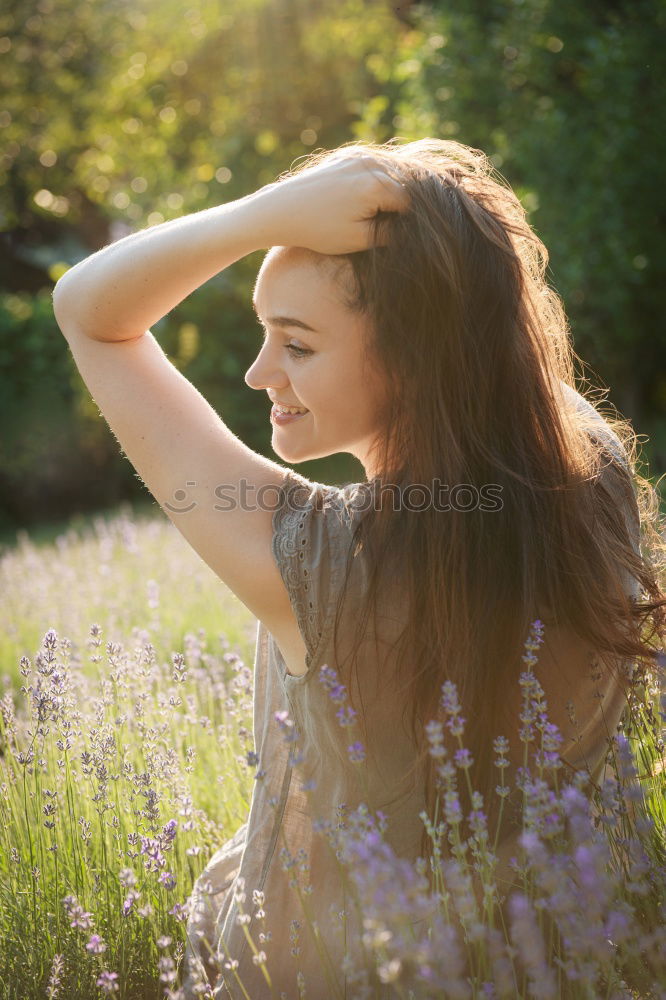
column 280, row 418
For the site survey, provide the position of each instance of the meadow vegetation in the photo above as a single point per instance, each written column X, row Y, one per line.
column 126, row 759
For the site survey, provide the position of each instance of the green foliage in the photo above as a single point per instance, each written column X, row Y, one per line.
column 54, row 443
column 147, row 112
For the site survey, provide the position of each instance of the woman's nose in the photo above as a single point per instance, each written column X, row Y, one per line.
column 264, row 375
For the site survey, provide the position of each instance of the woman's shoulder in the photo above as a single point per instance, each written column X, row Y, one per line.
column 339, row 504
column 595, row 423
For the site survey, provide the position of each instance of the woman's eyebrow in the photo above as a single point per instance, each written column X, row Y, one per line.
column 290, row 321
column 287, row 321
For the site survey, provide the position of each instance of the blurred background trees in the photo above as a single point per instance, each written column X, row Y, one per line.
column 116, row 115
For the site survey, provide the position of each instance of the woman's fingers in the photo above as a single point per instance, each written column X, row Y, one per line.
column 330, row 207
column 394, row 193
column 386, row 193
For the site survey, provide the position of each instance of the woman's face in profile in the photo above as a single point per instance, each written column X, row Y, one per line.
column 313, row 358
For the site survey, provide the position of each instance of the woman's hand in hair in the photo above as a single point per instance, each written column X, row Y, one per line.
column 329, row 208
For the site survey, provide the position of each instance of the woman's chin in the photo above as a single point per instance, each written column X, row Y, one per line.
column 295, row 455
column 291, row 455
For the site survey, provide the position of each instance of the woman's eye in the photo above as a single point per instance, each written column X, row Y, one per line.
column 294, row 349
column 298, row 352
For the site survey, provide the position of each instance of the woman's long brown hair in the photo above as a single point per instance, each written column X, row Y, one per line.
column 474, row 346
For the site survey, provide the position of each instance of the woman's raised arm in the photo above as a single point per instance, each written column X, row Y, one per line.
column 119, row 292
column 207, row 481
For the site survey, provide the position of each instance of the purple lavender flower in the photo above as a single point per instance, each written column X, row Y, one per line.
column 501, row 748
column 620, row 923
column 53, row 985
column 452, row 808
column 346, row 715
column 627, row 766
column 435, row 734
column 356, row 752
column 451, row 705
column 459, row 884
column 167, row 969
column 528, row 941
column 289, row 730
column 463, row 758
column 328, row 676
column 96, row 945
column 152, row 851
column 79, row 918
column 533, row 642
column 395, row 899
column 169, row 831
column 167, row 879
column 107, row 981
column 550, row 734
column 180, row 911
column 338, row 693
column 127, row 878
column 179, row 667
column 128, row 903
column 449, row 698
column 478, row 821
column 577, row 809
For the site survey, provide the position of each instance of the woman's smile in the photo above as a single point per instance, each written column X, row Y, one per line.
column 300, row 303
column 282, row 416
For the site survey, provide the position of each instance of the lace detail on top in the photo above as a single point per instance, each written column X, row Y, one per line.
column 309, row 553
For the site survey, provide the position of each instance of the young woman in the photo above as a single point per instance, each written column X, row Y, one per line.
column 407, row 321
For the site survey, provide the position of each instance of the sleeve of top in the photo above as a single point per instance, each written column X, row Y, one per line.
column 618, row 487
column 619, row 492
column 312, row 533
column 615, row 480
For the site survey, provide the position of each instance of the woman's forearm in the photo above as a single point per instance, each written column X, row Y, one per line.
column 122, row 290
